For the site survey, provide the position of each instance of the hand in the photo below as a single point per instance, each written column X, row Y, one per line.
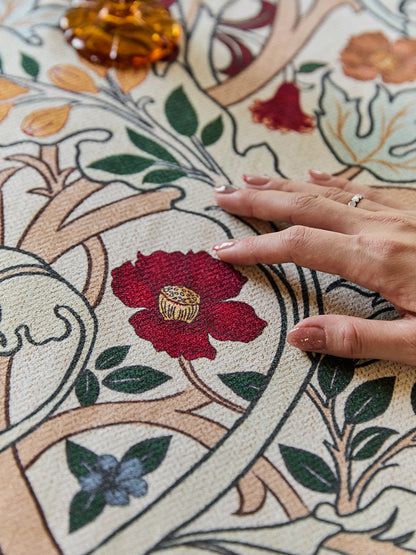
column 372, row 245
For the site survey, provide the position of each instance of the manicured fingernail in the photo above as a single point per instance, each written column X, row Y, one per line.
column 224, row 245
column 256, row 180
column 226, row 188
column 308, row 338
column 322, row 176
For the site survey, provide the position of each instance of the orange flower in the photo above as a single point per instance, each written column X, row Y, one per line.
column 46, row 122
column 4, row 110
column 371, row 54
column 71, row 78
column 127, row 78
column 8, row 89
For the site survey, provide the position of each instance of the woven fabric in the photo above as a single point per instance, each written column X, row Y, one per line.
column 148, row 398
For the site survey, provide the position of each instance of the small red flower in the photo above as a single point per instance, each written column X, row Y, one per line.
column 184, row 298
column 283, row 111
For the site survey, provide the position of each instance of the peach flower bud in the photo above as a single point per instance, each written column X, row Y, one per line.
column 131, row 77
column 72, row 78
column 45, row 122
column 8, row 89
column 4, row 110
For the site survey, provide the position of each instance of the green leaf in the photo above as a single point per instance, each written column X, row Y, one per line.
column 150, row 146
column 80, row 459
column 334, row 375
column 212, row 131
column 1, row 65
column 367, row 442
column 180, row 113
column 413, row 398
column 122, row 164
column 30, row 65
column 309, row 470
column 369, row 400
column 163, row 176
column 85, row 507
column 111, row 357
column 309, row 67
column 135, row 379
column 87, row 388
column 245, row 384
column 150, row 452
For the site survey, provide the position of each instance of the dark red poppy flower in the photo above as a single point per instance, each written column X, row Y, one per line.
column 283, row 111
column 183, row 298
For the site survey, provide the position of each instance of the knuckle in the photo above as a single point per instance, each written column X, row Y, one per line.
column 250, row 245
column 305, row 201
column 399, row 221
column 352, row 344
column 295, row 239
column 334, row 193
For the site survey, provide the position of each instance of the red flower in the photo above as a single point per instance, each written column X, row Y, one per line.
column 283, row 111
column 183, row 297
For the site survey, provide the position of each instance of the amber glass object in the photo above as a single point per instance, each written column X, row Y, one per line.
column 127, row 33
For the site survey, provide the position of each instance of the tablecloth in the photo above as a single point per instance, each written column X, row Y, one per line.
column 149, row 400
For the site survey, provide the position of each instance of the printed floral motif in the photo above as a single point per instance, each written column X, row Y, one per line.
column 46, row 122
column 184, row 298
column 283, row 111
column 371, row 54
column 116, row 481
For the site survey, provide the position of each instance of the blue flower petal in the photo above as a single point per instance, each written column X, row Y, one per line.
column 106, row 463
column 117, row 496
column 132, row 468
column 91, row 482
column 134, row 486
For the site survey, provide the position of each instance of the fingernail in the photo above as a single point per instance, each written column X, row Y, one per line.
column 317, row 174
column 307, row 338
column 256, row 179
column 224, row 245
column 226, row 188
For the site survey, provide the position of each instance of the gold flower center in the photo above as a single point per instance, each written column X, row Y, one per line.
column 383, row 61
column 177, row 302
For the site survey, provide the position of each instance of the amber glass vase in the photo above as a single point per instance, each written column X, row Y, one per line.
column 121, row 33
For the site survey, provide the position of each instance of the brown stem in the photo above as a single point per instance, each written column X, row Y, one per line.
column 97, row 270
column 338, row 449
column 286, row 38
column 189, row 371
column 407, row 440
column 172, row 413
column 50, row 239
column 353, row 543
column 4, row 176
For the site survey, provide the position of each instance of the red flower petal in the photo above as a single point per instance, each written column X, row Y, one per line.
column 231, row 321
column 130, row 287
column 163, row 268
column 175, row 337
column 212, row 278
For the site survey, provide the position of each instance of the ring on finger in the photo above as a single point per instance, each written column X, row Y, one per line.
column 355, row 200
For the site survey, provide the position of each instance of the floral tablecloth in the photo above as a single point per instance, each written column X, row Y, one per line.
column 149, row 401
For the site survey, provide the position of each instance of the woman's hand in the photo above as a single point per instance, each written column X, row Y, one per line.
column 372, row 244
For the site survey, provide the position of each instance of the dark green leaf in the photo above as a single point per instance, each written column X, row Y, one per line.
column 369, row 400
column 367, row 442
column 212, row 131
column 245, row 384
column 308, row 469
column 135, row 379
column 1, row 65
column 413, row 398
column 163, row 176
column 180, row 113
column 111, row 357
column 30, row 65
column 150, row 146
column 85, row 507
column 80, row 459
column 310, row 67
column 87, row 388
column 122, row 164
column 334, row 375
column 150, row 452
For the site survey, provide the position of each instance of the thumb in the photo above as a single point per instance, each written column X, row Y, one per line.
column 350, row 337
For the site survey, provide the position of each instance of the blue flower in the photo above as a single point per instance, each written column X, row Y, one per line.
column 115, row 480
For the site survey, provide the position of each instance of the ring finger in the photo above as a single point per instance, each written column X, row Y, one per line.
column 333, row 193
